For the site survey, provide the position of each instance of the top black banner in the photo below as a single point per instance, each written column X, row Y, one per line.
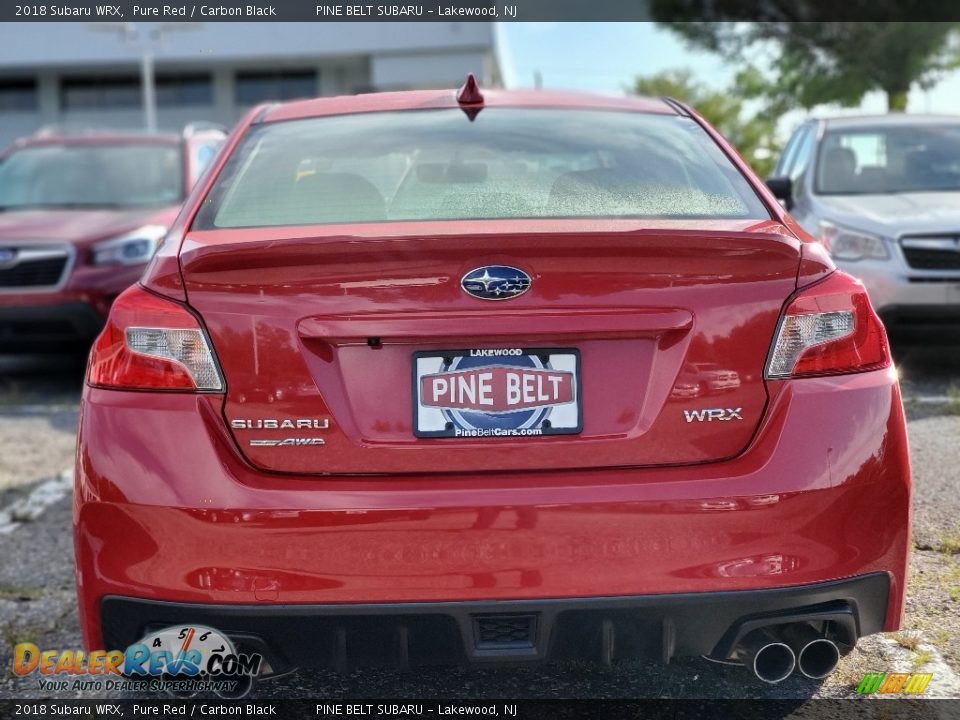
column 478, row 10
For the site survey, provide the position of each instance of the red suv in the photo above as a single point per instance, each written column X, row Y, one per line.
column 398, row 387
column 80, row 216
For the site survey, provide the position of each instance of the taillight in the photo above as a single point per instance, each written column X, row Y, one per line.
column 152, row 343
column 829, row 328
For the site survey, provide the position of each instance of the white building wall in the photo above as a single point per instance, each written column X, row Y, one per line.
column 348, row 58
column 424, row 70
column 34, row 45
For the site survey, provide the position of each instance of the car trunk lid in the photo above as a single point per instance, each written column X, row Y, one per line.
column 653, row 333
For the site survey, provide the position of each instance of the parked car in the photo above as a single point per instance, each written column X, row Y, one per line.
column 397, row 389
column 80, row 216
column 717, row 379
column 704, row 378
column 883, row 194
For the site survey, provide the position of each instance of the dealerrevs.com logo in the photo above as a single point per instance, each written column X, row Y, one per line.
column 181, row 659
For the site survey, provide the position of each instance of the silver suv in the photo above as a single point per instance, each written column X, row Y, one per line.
column 883, row 195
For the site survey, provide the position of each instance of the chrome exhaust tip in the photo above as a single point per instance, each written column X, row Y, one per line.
column 817, row 656
column 770, row 659
column 818, row 659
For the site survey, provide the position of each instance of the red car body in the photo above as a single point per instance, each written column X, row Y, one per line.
column 648, row 531
column 62, row 299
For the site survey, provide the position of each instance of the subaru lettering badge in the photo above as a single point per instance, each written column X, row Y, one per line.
column 7, row 255
column 495, row 282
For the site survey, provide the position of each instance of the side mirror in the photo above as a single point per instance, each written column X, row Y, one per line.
column 782, row 189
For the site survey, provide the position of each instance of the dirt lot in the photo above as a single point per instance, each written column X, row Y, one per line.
column 38, row 410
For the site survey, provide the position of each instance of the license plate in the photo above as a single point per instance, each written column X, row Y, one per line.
column 496, row 392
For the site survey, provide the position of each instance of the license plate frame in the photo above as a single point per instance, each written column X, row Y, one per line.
column 554, row 372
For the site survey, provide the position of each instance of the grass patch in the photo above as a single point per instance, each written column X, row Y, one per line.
column 951, row 575
column 953, row 400
column 955, row 593
column 949, row 542
column 920, row 659
column 906, row 641
column 942, row 639
column 849, row 677
column 914, row 582
column 14, row 635
column 19, row 593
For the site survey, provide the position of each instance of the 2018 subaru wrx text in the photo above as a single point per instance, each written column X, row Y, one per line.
column 418, row 378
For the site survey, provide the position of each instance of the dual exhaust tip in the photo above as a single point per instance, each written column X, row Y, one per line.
column 772, row 654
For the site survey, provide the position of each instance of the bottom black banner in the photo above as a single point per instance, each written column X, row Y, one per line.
column 886, row 709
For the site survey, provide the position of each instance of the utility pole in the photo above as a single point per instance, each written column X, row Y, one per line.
column 148, row 89
column 148, row 41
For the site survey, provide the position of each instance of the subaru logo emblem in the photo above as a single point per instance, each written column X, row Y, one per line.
column 495, row 282
column 7, row 256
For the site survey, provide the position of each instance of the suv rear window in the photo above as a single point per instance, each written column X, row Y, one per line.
column 507, row 163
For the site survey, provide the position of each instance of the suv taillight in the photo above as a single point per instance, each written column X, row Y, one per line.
column 152, row 343
column 829, row 328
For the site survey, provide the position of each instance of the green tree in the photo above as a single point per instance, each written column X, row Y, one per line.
column 818, row 60
column 753, row 135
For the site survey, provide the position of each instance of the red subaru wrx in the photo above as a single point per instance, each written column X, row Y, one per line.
column 466, row 377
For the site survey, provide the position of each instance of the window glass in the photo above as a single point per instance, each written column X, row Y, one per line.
column 94, row 93
column 18, row 95
column 257, row 87
column 507, row 163
column 789, row 152
column 917, row 158
column 804, row 152
column 171, row 91
column 92, row 175
column 202, row 153
column 185, row 90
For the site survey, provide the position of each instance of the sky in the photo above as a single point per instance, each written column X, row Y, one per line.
column 604, row 57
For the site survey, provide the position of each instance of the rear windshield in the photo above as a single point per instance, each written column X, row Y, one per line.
column 506, row 163
column 92, row 175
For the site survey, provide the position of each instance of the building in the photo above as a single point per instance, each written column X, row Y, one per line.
column 87, row 75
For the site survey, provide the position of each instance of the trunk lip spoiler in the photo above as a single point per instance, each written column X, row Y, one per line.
column 629, row 321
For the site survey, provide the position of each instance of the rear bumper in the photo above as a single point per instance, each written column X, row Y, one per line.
column 604, row 629
column 48, row 327
column 167, row 510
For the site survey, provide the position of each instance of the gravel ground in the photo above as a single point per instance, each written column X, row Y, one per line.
column 928, row 372
column 35, row 444
column 38, row 417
